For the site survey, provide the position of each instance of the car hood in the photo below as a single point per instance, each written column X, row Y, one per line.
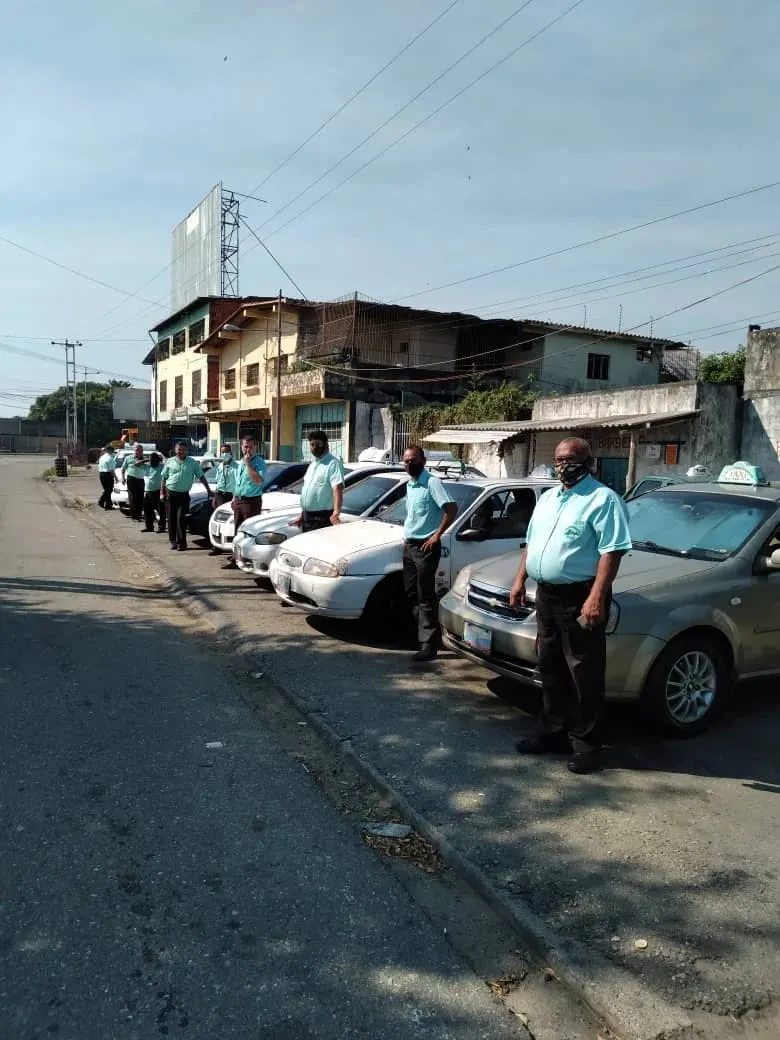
column 279, row 518
column 638, row 569
column 274, row 500
column 334, row 543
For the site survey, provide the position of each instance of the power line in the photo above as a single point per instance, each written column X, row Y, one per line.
column 596, row 240
column 36, row 356
column 357, row 94
column 427, row 118
column 284, row 271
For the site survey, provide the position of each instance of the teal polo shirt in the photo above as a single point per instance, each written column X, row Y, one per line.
column 226, row 477
column 571, row 529
column 153, row 478
column 245, row 487
column 181, row 474
column 425, row 502
column 106, row 463
column 323, row 475
column 133, row 467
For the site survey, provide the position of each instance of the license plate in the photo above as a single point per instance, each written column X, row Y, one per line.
column 284, row 584
column 480, row 639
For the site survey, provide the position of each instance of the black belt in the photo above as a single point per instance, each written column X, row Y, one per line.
column 245, row 498
column 566, row 584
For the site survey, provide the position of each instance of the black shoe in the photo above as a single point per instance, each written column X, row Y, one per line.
column 182, row 548
column 583, row 762
column 161, row 530
column 424, row 655
column 174, row 547
column 544, row 744
column 147, row 530
column 230, row 565
column 214, row 552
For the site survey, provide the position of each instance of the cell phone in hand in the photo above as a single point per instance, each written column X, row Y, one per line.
column 583, row 622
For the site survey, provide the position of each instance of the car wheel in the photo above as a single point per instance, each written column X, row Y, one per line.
column 388, row 607
column 688, row 685
column 264, row 583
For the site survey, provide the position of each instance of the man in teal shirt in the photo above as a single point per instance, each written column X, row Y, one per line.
column 106, row 468
column 178, row 475
column 429, row 512
column 323, row 487
column 248, row 495
column 576, row 539
column 226, row 481
column 134, row 469
column 152, row 488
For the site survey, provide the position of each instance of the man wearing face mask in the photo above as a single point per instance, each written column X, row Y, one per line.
column 323, row 487
column 226, row 481
column 576, row 539
column 248, row 497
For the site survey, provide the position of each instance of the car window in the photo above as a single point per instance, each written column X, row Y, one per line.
column 505, row 514
column 365, row 493
column 699, row 525
column 463, row 495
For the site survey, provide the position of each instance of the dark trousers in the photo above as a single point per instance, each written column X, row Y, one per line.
column 152, row 505
column 135, row 496
column 178, row 505
column 315, row 520
column 420, row 587
column 107, row 483
column 572, row 663
column 222, row 497
column 244, row 508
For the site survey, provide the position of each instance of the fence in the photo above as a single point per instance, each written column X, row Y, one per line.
column 19, row 442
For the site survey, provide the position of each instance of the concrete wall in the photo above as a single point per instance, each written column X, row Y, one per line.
column 565, row 362
column 761, row 416
column 372, row 428
column 634, row 400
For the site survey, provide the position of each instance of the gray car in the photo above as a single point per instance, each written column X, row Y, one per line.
column 696, row 604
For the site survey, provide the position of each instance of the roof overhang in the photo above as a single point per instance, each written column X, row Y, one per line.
column 482, row 433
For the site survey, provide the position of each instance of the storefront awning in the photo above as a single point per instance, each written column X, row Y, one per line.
column 446, row 436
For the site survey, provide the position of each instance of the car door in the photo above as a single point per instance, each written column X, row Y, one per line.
column 761, row 601
column 496, row 524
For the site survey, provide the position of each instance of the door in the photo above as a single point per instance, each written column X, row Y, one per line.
column 760, row 606
column 613, row 473
column 331, row 418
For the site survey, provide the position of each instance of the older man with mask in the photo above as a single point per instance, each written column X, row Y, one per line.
column 226, row 481
column 178, row 475
column 248, row 494
column 323, row 487
column 134, row 468
column 576, row 539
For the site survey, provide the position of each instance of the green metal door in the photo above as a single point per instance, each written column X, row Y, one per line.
column 328, row 417
column 613, row 473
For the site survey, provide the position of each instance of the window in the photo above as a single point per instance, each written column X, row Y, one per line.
column 163, row 395
column 403, row 348
column 196, row 389
column 230, row 379
column 163, row 348
column 178, row 392
column 504, row 514
column 197, row 332
column 598, row 366
column 644, row 354
column 179, row 341
column 253, row 374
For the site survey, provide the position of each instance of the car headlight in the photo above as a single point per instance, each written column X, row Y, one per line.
column 613, row 618
column 321, row 569
column 270, row 538
column 461, row 582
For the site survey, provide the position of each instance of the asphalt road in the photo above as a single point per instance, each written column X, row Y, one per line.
column 152, row 885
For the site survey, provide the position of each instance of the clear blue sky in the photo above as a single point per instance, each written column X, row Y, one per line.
column 117, row 118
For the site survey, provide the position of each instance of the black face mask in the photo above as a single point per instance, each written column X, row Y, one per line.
column 570, row 473
column 317, row 449
column 414, row 469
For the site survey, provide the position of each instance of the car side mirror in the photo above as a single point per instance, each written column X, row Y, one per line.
column 774, row 560
column 472, row 534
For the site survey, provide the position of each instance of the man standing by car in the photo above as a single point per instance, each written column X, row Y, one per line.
column 226, row 481
column 576, row 539
column 323, row 487
column 429, row 512
column 178, row 475
column 106, row 467
column 248, row 496
column 152, row 502
column 134, row 469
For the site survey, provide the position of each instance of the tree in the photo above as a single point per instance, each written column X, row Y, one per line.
column 724, row 368
column 101, row 425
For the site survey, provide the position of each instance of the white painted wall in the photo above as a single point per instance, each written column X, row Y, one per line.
column 565, row 363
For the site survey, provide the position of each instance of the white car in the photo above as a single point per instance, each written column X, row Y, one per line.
column 257, row 540
column 354, row 570
column 222, row 527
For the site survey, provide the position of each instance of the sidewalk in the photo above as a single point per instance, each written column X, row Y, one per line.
column 665, row 865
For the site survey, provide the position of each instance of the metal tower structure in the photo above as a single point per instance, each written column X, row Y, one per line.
column 71, row 409
column 230, row 218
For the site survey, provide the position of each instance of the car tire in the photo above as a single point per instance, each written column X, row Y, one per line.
column 387, row 607
column 688, row 685
column 264, row 583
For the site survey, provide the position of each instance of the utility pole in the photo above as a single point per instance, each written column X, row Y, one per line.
column 71, row 410
column 278, row 416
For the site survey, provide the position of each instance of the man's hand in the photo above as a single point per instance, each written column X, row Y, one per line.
column 297, row 521
column 593, row 611
column 433, row 540
column 335, row 518
column 517, row 593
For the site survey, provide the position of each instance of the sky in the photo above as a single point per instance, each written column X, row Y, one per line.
column 117, row 119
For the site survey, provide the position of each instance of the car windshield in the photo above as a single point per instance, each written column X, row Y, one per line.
column 366, row 493
column 696, row 525
column 462, row 494
column 297, row 487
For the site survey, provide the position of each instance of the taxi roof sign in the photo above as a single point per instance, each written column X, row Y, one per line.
column 742, row 473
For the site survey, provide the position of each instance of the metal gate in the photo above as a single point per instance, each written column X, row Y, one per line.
column 613, row 472
column 330, row 418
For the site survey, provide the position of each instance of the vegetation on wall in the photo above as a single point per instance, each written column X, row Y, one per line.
column 506, row 403
column 724, row 368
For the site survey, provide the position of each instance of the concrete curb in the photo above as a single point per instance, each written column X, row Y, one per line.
column 626, row 1006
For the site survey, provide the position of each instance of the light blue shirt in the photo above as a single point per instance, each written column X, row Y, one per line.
column 425, row 502
column 106, row 462
column 180, row 474
column 323, row 475
column 153, row 478
column 226, row 477
column 572, row 528
column 245, row 487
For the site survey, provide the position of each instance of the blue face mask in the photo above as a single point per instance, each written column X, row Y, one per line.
column 226, row 458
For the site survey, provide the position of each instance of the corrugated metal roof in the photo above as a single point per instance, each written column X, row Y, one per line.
column 482, row 433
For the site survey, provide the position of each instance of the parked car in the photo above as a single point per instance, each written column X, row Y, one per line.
column 653, row 481
column 354, row 570
column 222, row 527
column 696, row 603
column 257, row 540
